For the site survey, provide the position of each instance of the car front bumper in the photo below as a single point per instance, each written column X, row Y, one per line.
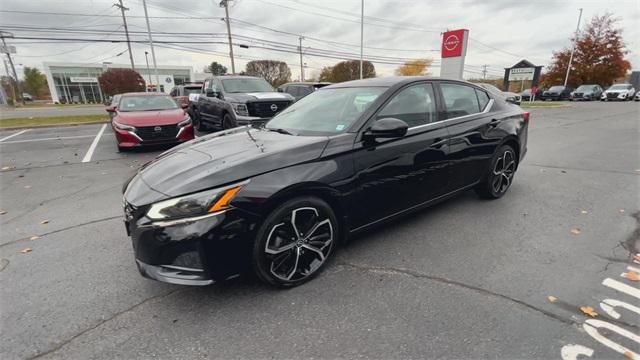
column 129, row 139
column 193, row 251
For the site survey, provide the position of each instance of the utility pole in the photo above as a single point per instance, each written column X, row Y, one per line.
column 361, row 34
column 153, row 52
column 13, row 89
column 225, row 4
column 126, row 31
column 484, row 71
column 13, row 69
column 301, row 63
column 575, row 41
column 146, row 57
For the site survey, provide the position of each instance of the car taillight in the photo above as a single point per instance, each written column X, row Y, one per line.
column 525, row 115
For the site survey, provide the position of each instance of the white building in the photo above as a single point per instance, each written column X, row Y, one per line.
column 78, row 83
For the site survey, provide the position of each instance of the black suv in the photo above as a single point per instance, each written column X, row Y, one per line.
column 301, row 89
column 557, row 92
column 231, row 100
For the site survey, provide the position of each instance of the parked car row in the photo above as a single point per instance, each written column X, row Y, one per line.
column 587, row 92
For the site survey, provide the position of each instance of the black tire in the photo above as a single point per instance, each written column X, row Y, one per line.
column 228, row 122
column 283, row 259
column 499, row 176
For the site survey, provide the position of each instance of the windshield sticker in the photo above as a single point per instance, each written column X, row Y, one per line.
column 340, row 127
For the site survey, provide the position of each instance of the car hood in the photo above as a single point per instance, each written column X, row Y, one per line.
column 258, row 96
column 220, row 159
column 616, row 91
column 150, row 118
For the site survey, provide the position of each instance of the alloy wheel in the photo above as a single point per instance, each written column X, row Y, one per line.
column 297, row 246
column 503, row 171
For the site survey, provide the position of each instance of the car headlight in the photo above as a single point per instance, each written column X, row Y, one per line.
column 240, row 109
column 184, row 122
column 123, row 126
column 202, row 203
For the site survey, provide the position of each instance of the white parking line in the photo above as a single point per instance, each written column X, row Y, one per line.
column 47, row 139
column 92, row 148
column 12, row 135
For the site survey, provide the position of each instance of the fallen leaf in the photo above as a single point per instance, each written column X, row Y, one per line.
column 589, row 311
column 621, row 211
column 575, row 231
column 631, row 275
column 44, row 222
column 26, row 250
column 584, row 212
column 636, row 258
column 628, row 354
column 552, row 298
column 34, row 237
column 2, row 212
column 8, row 167
column 27, row 186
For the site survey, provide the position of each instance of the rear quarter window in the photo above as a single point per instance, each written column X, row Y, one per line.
column 460, row 100
column 483, row 99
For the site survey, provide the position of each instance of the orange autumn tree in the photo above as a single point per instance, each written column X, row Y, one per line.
column 414, row 67
column 599, row 57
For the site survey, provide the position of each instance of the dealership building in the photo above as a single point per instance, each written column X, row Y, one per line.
column 78, row 83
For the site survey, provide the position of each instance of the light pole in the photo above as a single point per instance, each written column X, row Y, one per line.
column 575, row 41
column 361, row 34
column 153, row 52
column 13, row 68
column 301, row 63
column 225, row 4
column 146, row 57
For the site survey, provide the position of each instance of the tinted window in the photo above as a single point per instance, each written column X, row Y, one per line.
column 305, row 90
column 292, row 90
column 414, row 105
column 207, row 85
column 483, row 98
column 556, row 88
column 191, row 90
column 460, row 100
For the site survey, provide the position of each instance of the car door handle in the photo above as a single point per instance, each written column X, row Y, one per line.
column 494, row 122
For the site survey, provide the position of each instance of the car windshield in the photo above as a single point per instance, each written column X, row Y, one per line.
column 192, row 90
column 326, row 112
column 583, row 88
column 620, row 87
column 526, row 91
column 556, row 88
column 246, row 85
column 146, row 103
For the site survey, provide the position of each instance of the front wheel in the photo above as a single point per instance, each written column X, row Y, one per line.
column 295, row 241
column 500, row 175
column 228, row 122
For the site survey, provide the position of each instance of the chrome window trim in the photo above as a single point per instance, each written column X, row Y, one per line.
column 486, row 110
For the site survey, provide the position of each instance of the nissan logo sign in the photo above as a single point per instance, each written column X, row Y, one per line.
column 157, row 128
column 451, row 42
column 274, row 107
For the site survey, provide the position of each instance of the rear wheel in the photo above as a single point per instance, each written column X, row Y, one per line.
column 294, row 242
column 500, row 175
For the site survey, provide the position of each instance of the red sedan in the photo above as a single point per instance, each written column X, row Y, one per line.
column 149, row 119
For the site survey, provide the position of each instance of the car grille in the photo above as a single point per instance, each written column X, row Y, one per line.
column 612, row 95
column 265, row 109
column 152, row 133
column 578, row 94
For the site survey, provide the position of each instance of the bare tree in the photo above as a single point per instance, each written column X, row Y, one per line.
column 275, row 72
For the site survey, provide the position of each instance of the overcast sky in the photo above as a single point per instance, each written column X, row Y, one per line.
column 502, row 31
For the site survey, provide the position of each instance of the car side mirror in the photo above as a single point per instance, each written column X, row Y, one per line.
column 213, row 93
column 387, row 128
column 184, row 105
column 111, row 109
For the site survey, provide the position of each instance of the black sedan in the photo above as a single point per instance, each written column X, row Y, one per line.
column 280, row 199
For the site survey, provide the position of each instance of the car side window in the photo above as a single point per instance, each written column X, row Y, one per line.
column 459, row 100
column 306, row 90
column 414, row 105
column 293, row 90
column 206, row 85
column 216, row 85
column 483, row 98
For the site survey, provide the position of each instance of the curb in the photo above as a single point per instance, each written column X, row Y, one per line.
column 52, row 125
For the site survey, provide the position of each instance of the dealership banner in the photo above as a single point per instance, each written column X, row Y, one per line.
column 453, row 53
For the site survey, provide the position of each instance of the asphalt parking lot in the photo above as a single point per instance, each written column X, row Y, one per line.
column 465, row 279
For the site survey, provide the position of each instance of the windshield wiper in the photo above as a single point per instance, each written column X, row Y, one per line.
column 281, row 131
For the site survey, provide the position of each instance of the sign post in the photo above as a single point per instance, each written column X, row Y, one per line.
column 453, row 53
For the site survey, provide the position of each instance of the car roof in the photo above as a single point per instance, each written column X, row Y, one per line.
column 308, row 83
column 151, row 93
column 235, row 77
column 390, row 81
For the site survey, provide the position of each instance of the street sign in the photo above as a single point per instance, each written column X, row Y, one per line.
column 518, row 74
column 8, row 49
column 83, row 79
